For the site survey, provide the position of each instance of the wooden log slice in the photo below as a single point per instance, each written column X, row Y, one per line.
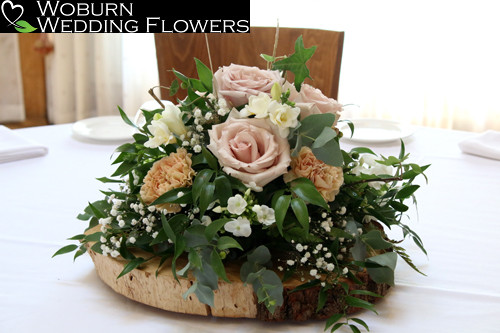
column 234, row 300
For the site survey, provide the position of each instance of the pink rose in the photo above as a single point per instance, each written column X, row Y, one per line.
column 250, row 150
column 236, row 82
column 311, row 100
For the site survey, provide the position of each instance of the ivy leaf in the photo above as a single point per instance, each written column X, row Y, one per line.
column 296, row 63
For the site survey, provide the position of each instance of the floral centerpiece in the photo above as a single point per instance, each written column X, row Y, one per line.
column 248, row 169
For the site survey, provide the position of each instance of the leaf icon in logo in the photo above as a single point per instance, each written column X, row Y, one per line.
column 23, row 26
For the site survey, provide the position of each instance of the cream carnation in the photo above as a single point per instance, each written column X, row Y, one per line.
column 172, row 171
column 326, row 178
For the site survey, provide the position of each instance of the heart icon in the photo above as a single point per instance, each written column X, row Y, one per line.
column 11, row 12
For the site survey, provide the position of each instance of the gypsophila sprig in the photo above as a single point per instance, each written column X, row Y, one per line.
column 248, row 170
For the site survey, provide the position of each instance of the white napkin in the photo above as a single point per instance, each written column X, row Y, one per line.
column 15, row 147
column 486, row 144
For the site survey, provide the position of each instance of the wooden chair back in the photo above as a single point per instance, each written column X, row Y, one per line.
column 176, row 51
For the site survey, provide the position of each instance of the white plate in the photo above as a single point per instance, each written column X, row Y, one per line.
column 375, row 130
column 105, row 128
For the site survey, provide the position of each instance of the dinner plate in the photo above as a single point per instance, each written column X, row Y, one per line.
column 104, row 128
column 375, row 130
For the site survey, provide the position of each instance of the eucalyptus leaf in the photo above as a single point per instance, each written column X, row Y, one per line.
column 205, row 294
column 330, row 153
column 260, row 256
column 325, row 136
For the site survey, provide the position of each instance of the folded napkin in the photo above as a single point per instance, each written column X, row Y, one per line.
column 15, row 147
column 486, row 144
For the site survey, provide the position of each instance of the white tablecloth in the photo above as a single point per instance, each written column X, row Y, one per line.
column 458, row 221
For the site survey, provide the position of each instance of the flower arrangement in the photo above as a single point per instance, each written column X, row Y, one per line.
column 248, row 168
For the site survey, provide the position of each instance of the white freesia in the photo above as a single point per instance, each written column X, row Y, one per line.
column 236, row 205
column 160, row 132
column 257, row 105
column 239, row 227
column 164, row 126
column 265, row 215
column 283, row 116
column 368, row 165
column 173, row 118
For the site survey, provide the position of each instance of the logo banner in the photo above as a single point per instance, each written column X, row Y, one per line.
column 56, row 16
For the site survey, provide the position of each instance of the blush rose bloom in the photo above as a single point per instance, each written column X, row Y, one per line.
column 326, row 178
column 172, row 171
column 250, row 150
column 236, row 83
column 311, row 100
